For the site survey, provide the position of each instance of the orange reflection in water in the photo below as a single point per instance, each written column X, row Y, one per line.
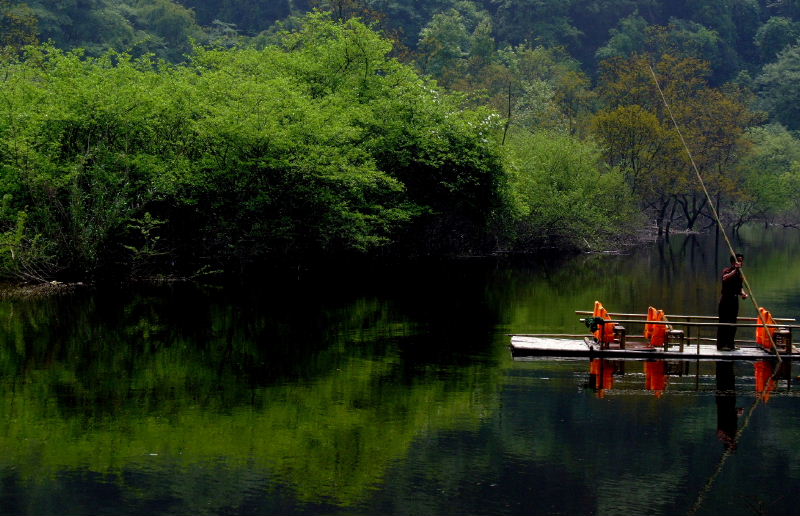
column 767, row 376
column 601, row 375
column 655, row 377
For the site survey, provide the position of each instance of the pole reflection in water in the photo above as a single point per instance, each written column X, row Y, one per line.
column 728, row 430
column 727, row 418
column 731, row 383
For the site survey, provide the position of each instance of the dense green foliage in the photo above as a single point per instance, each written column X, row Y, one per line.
column 550, row 171
column 320, row 145
column 186, row 136
column 770, row 176
column 723, row 29
column 733, row 36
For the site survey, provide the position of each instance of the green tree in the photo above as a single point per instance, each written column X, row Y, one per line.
column 18, row 26
column 598, row 19
column 171, row 27
column 564, row 195
column 787, row 8
column 776, row 34
column 768, row 172
column 138, row 27
column 790, row 186
column 716, row 15
column 248, row 16
column 644, row 149
column 712, row 122
column 688, row 38
column 543, row 22
column 536, row 87
column 680, row 37
column 777, row 87
column 628, row 38
column 747, row 17
column 94, row 25
column 443, row 43
column 319, row 146
column 407, row 18
column 456, row 44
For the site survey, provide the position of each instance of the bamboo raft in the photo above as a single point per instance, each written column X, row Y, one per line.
column 664, row 337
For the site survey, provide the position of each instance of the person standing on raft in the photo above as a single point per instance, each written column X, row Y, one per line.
column 732, row 288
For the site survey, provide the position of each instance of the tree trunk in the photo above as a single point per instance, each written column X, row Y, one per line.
column 691, row 210
column 671, row 216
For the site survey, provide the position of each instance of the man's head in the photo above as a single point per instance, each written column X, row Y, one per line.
column 739, row 258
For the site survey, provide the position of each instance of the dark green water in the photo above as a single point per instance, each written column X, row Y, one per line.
column 389, row 392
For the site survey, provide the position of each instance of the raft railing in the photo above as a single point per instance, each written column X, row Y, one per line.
column 641, row 319
column 614, row 314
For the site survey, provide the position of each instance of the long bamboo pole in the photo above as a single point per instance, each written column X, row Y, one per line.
column 713, row 210
column 701, row 498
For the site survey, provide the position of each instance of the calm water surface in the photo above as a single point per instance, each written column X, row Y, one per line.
column 393, row 392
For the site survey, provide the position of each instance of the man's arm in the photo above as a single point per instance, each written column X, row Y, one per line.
column 726, row 276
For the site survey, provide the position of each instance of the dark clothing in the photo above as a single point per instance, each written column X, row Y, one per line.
column 728, row 313
column 729, row 307
column 733, row 285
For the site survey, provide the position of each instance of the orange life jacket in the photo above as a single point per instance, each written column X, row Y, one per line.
column 659, row 332
column 651, row 316
column 765, row 336
column 604, row 333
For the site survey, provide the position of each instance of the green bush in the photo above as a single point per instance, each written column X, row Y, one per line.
column 564, row 196
column 316, row 146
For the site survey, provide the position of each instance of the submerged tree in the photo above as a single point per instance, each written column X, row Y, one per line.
column 636, row 119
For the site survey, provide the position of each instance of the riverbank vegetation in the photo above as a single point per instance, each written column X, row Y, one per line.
column 185, row 139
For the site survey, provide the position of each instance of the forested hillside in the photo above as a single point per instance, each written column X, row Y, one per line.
column 142, row 137
column 735, row 36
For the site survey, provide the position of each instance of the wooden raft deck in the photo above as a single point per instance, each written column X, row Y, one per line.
column 578, row 347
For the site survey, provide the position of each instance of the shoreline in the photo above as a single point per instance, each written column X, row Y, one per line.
column 9, row 290
column 25, row 290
